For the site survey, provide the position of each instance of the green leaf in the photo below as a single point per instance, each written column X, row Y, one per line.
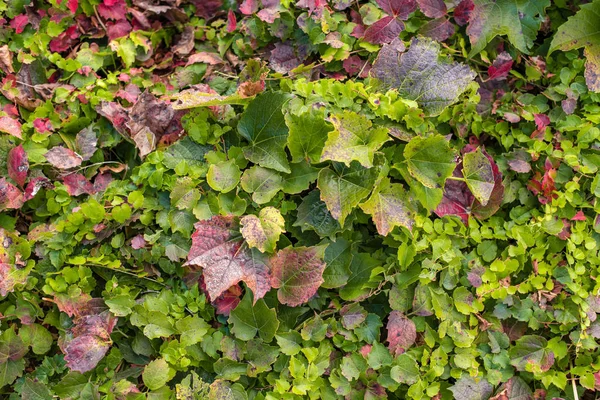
column 314, row 215
column 302, row 176
column 530, row 353
column 379, row 356
column 224, row 176
column 263, row 231
column 248, row 321
column 156, row 374
column 37, row 337
column 33, row 390
column 405, row 370
column 477, row 170
column 343, row 188
column 389, row 207
column 352, row 366
column 430, row 160
column 263, row 126
column 185, row 151
column 192, row 330
column 72, row 385
column 12, row 350
column 360, row 273
column 263, row 183
column 308, row 132
column 338, row 257
column 353, row 139
column 469, row 388
column 583, row 30
column 420, row 75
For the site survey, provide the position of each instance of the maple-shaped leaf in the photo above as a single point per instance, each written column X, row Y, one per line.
column 479, row 176
column 63, row 158
column 439, row 29
column 303, row 174
column 419, row 74
column 18, row 165
column 401, row 333
column 218, row 248
column 297, row 273
column 250, row 318
column 353, row 138
column 469, row 388
column 10, row 196
column 430, row 160
column 390, row 26
column 520, row 20
column 307, row 136
column 531, row 352
column 343, row 188
column 263, row 126
column 433, row 8
column 11, row 126
column 389, row 207
column 583, row 30
column 263, row 231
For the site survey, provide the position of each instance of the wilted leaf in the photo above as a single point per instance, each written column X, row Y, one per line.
column 11, row 275
column 218, row 249
column 249, row 320
column 419, row 74
column 18, row 165
column 353, row 139
column 469, row 388
column 430, row 160
column 389, row 207
column 298, row 273
column 86, row 142
column 402, row 333
column 263, row 126
column 263, row 231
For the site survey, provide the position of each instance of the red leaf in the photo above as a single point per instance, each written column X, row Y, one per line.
column 34, row 186
column 298, row 273
column 231, row 21
column 115, row 113
column 462, row 12
column 433, row 8
column 18, row 165
column 501, row 66
column 315, row 7
column 249, row 7
column 438, row 29
column 402, row 333
column 118, row 29
column 228, row 300
column 353, row 64
column 398, row 8
column 115, row 10
column 384, row 31
column 10, row 196
column 10, row 126
column 77, row 184
column 541, row 121
column 63, row 158
column 19, row 22
column 42, row 125
column 217, row 248
column 580, row 216
column 65, row 40
column 102, row 181
column 72, row 5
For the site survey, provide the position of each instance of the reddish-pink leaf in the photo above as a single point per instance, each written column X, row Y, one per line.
column 433, row 8
column 205, row 57
column 353, row 64
column 501, row 66
column 10, row 126
column 115, row 113
column 541, row 121
column 18, row 165
column 315, row 7
column 114, row 10
column 231, row 21
column 138, row 242
column 101, row 181
column 63, row 158
column 118, row 29
column 65, row 40
column 42, row 125
column 569, row 105
column 249, row 7
column 34, row 186
column 72, row 5
column 228, row 300
column 462, row 12
column 19, row 22
column 398, row 8
column 270, row 11
column 401, row 334
column 438, row 29
column 70, row 304
column 579, row 216
column 482, row 212
column 10, row 196
column 384, row 31
column 77, row 184
column 217, row 248
column 130, row 93
column 83, row 353
column 298, row 273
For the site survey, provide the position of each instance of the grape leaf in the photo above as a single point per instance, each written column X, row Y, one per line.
column 432, row 8
column 389, row 207
column 263, row 231
column 361, row 266
column 477, row 170
column 263, row 183
column 390, row 26
column 430, row 160
column 314, row 215
column 263, row 126
column 343, row 188
column 298, row 273
column 18, row 165
column 218, row 249
column 12, row 350
column 520, row 20
column 531, row 353
column 583, row 30
column 223, row 176
column 338, row 257
column 353, row 139
column 302, row 175
column 308, row 132
column 402, row 333
column 438, row 29
column 249, row 320
column 420, row 75
column 468, row 388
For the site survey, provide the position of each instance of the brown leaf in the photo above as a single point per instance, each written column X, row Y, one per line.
column 185, row 44
column 206, row 58
column 6, row 60
column 86, row 142
column 63, row 158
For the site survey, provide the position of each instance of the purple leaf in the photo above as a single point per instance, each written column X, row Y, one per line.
column 501, row 67
column 398, row 8
column 433, row 8
column 438, row 29
column 18, row 165
column 384, row 31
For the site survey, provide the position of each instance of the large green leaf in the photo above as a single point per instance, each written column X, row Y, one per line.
column 531, row 353
column 248, row 321
column 583, row 30
column 314, row 215
column 308, row 132
column 420, row 75
column 263, row 126
column 430, row 160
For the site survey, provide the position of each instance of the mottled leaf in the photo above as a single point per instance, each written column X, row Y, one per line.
column 223, row 176
column 263, row 231
column 469, row 388
column 384, row 31
column 63, row 158
column 419, row 74
column 531, row 353
column 477, row 170
column 297, row 273
column 18, row 165
column 389, row 207
column 401, row 334
column 501, row 67
column 10, row 196
column 86, row 142
column 430, row 160
column 438, row 29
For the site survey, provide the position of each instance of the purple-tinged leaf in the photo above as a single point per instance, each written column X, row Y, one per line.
column 384, row 31
column 398, row 8
column 77, row 184
column 18, row 165
column 462, row 12
column 63, row 158
column 433, row 8
column 501, row 67
column 10, row 196
column 438, row 29
column 86, row 142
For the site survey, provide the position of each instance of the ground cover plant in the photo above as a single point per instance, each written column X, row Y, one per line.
column 299, row 199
